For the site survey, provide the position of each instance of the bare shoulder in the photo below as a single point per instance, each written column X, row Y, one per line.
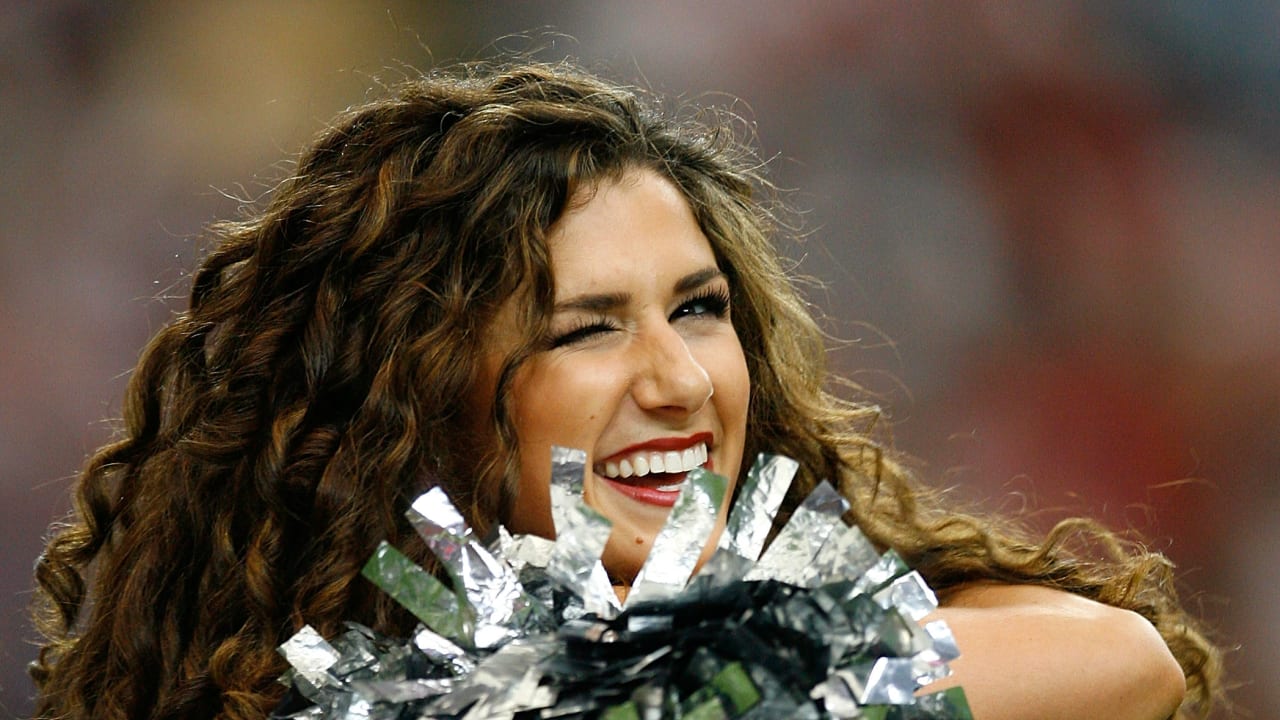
column 1036, row 652
column 1029, row 599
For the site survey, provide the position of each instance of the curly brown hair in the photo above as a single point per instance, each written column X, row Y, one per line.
column 275, row 431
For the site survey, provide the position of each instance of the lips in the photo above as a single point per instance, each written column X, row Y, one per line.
column 653, row 472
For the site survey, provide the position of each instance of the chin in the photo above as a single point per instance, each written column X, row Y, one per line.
column 624, row 564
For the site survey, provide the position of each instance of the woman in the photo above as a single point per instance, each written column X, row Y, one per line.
column 454, row 280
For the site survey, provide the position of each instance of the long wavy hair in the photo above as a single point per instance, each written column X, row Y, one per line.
column 275, row 431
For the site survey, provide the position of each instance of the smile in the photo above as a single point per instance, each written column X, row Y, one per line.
column 654, row 476
column 642, row 463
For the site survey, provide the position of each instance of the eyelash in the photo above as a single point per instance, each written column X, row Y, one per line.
column 714, row 301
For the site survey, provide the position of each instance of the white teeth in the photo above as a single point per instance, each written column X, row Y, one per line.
column 671, row 488
column 672, row 461
column 644, row 463
column 656, row 463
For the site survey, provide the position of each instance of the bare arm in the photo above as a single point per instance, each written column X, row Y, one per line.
column 1033, row 653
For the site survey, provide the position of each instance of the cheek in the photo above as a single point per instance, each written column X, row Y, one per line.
column 558, row 403
column 548, row 401
column 732, row 383
column 730, row 378
column 567, row 400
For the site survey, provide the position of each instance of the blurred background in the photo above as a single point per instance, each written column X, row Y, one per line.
column 1046, row 232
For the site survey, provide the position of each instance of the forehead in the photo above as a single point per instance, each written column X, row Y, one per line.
column 635, row 224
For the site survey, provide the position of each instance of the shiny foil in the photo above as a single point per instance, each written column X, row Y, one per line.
column 790, row 558
column 822, row 626
column 581, row 534
column 421, row 593
column 679, row 544
column 568, row 472
column 491, row 586
column 758, row 501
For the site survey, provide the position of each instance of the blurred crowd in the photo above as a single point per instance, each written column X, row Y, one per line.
column 1046, row 236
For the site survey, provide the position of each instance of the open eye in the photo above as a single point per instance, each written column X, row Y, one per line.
column 712, row 302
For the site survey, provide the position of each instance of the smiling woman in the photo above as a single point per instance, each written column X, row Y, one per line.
column 494, row 261
column 643, row 368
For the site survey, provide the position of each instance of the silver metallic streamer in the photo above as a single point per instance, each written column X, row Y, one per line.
column 568, row 472
column 724, row 567
column 490, row 584
column 401, row 691
column 931, row 663
column 758, row 501
column 439, row 650
column 845, row 555
column 891, row 681
column 949, row 703
column 679, row 543
column 502, row 684
column 790, row 558
column 837, row 697
column 888, row 567
column 421, row 593
column 944, row 642
column 575, row 560
column 879, row 654
column 910, row 595
column 523, row 550
column 581, row 535
column 311, row 656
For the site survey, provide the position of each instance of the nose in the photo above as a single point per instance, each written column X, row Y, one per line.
column 668, row 376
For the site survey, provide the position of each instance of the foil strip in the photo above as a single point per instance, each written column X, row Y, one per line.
column 883, row 572
column 758, row 500
column 944, row 642
column 846, row 555
column 837, row 697
column 886, row 681
column 900, row 636
column 521, row 551
column 715, row 646
column 679, row 543
column 950, row 704
column 421, row 593
column 568, row 473
column 311, row 657
column 442, row 653
column 401, row 691
column 931, row 664
column 581, row 536
column 790, row 558
column 575, row 560
column 723, row 568
column 910, row 595
column 504, row 683
column 491, row 586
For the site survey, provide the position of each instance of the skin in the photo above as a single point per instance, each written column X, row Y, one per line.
column 638, row 353
column 643, row 358
column 1035, row 653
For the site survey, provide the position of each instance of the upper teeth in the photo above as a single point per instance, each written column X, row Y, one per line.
column 642, row 463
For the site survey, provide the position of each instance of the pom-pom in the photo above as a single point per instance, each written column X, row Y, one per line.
column 819, row 626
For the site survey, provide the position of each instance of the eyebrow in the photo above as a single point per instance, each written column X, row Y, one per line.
column 603, row 302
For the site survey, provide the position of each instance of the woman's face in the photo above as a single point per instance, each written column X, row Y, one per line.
column 643, row 371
